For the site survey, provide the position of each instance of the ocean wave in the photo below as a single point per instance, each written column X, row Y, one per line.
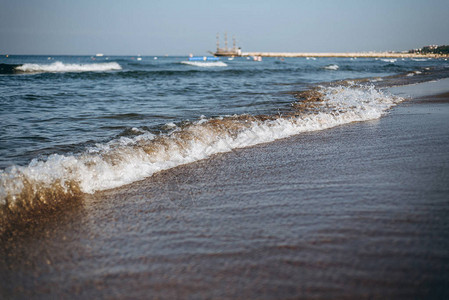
column 414, row 73
column 129, row 159
column 58, row 66
column 332, row 67
column 389, row 60
column 205, row 63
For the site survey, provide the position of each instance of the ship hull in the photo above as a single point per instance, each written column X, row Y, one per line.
column 227, row 54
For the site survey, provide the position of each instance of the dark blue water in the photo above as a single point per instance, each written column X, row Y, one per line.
column 64, row 104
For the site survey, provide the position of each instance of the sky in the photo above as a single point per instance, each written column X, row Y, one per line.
column 180, row 27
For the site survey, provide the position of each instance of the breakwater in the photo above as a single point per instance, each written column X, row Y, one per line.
column 342, row 54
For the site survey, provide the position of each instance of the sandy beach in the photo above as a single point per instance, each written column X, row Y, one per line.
column 224, row 150
column 354, row 212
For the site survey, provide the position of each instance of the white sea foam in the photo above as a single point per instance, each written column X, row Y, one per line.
column 414, row 73
column 332, row 67
column 205, row 63
column 129, row 159
column 62, row 67
column 389, row 60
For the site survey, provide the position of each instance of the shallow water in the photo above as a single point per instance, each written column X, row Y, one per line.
column 352, row 204
column 84, row 124
column 67, row 104
column 357, row 211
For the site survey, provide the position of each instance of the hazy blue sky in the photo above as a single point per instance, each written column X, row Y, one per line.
column 182, row 27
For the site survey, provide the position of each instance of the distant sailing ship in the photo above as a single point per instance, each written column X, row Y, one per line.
column 234, row 51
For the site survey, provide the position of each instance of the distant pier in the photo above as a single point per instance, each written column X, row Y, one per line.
column 345, row 54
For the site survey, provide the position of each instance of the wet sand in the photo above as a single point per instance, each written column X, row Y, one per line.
column 355, row 212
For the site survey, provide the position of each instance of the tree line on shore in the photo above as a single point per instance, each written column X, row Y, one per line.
column 433, row 49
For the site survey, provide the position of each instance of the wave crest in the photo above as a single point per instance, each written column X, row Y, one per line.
column 62, row 67
column 332, row 67
column 127, row 160
column 205, row 63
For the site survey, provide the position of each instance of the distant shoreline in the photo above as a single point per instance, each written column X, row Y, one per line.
column 269, row 54
column 343, row 54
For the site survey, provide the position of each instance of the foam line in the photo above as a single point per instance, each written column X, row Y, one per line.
column 205, row 64
column 61, row 67
column 127, row 160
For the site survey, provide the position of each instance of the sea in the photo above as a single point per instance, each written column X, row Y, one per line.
column 103, row 122
column 76, row 129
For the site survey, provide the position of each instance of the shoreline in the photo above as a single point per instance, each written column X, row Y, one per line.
column 14, row 211
column 422, row 90
column 343, row 54
column 356, row 211
column 369, row 54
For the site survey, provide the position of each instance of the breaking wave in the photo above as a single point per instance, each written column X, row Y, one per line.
column 129, row 159
column 332, row 67
column 205, row 63
column 389, row 60
column 62, row 67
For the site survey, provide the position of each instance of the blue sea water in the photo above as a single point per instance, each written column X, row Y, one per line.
column 338, row 211
column 63, row 104
column 81, row 124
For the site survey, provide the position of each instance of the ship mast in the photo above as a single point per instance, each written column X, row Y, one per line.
column 226, row 51
column 226, row 41
column 218, row 42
